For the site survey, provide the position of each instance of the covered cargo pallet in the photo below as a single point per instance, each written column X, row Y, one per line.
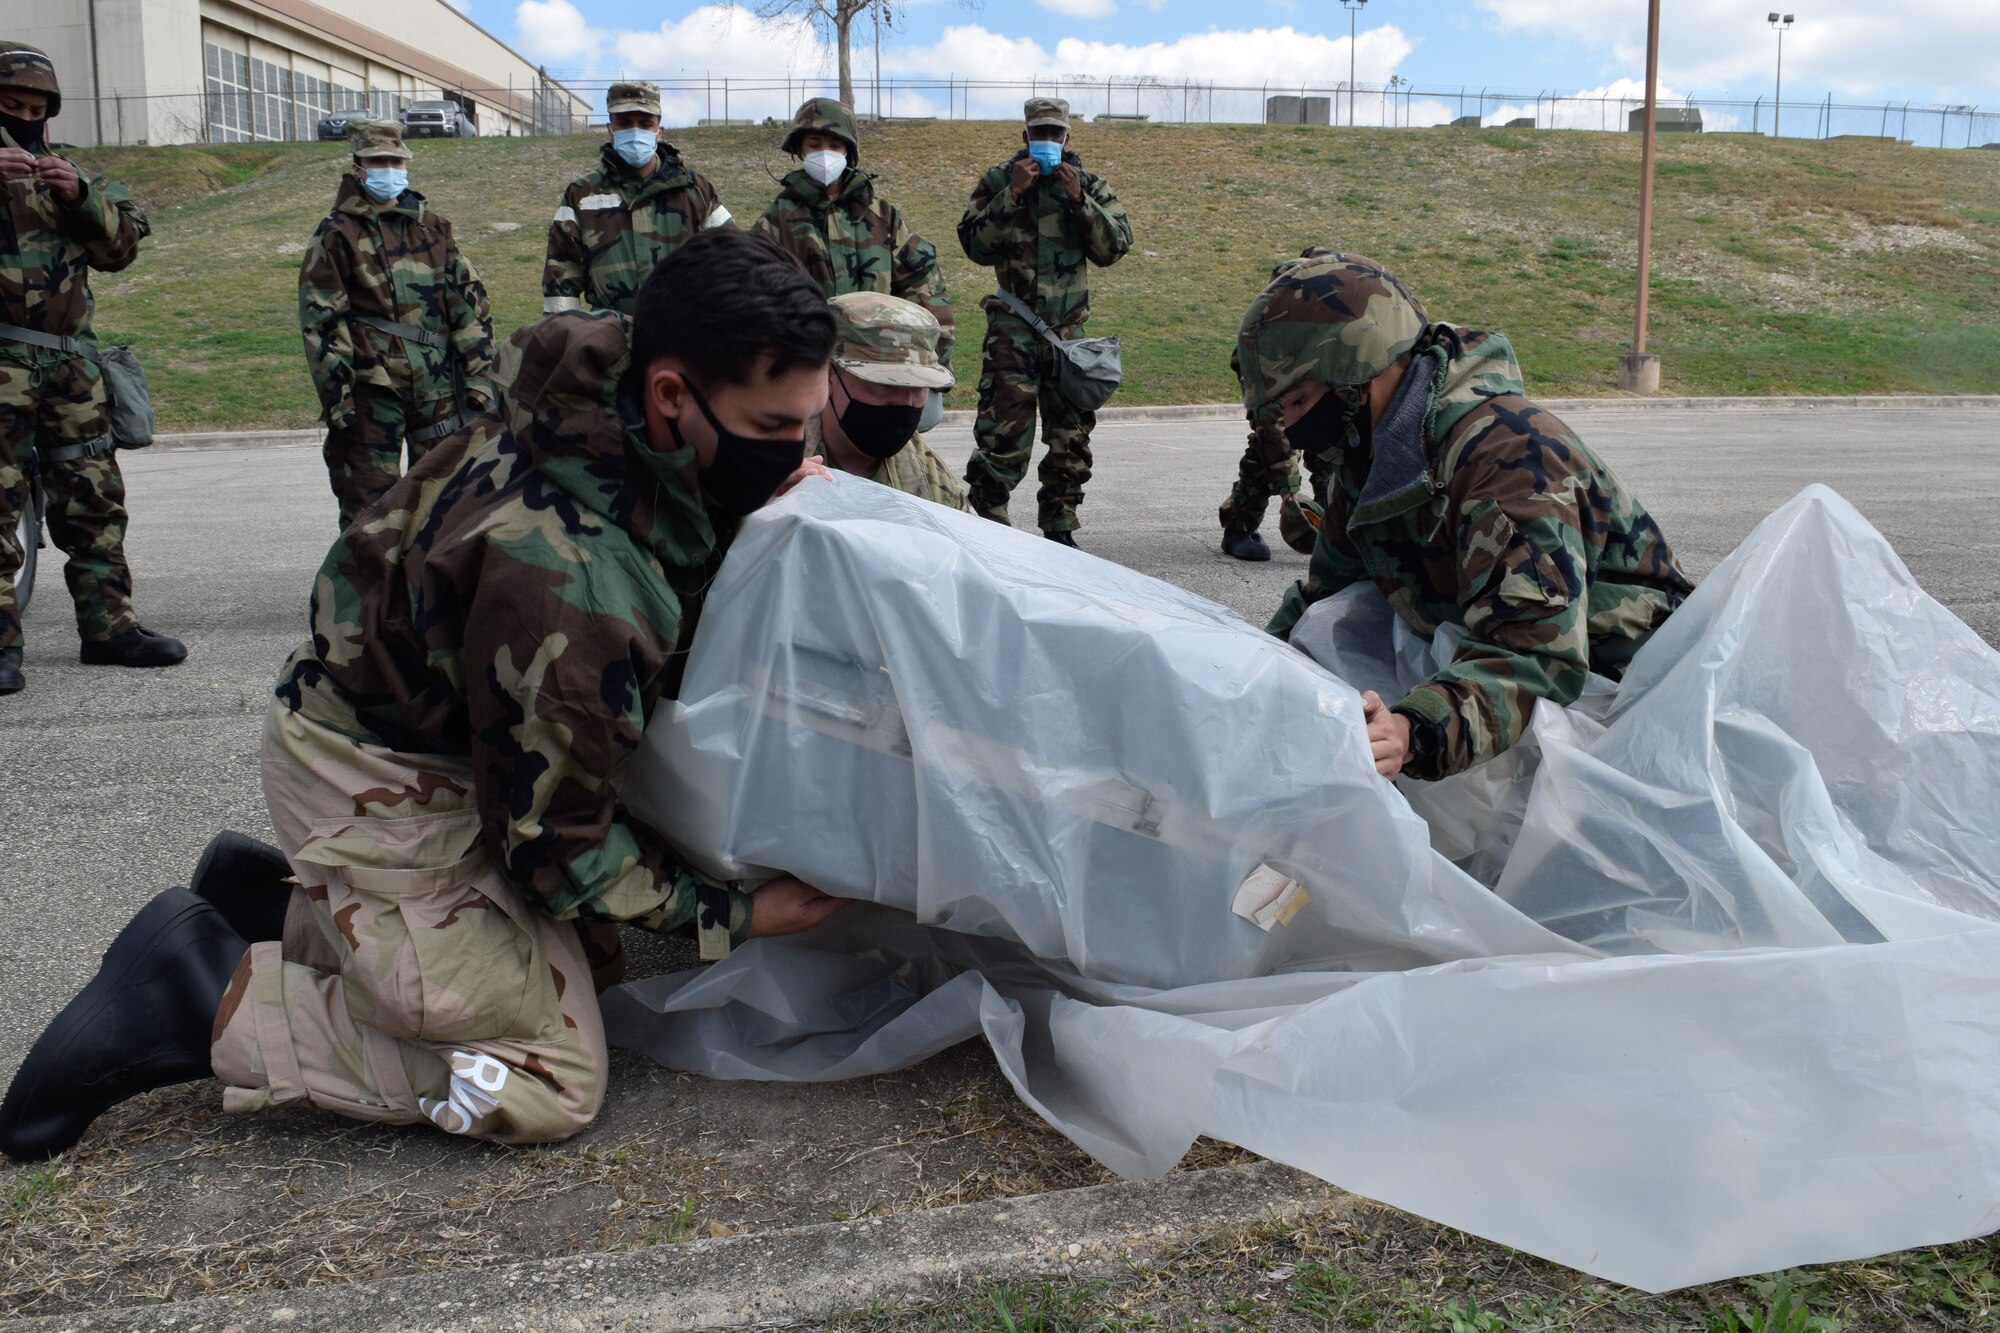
column 1700, row 979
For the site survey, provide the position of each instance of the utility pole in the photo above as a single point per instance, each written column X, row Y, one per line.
column 1778, row 102
column 1353, row 8
column 1638, row 370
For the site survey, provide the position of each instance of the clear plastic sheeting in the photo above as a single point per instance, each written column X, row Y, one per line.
column 1702, row 978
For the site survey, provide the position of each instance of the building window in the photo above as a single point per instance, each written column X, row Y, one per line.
column 229, row 110
column 270, row 102
column 311, row 99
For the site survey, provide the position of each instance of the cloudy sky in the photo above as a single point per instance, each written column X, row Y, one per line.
column 1927, row 51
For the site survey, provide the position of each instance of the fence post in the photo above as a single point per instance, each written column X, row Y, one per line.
column 1970, row 116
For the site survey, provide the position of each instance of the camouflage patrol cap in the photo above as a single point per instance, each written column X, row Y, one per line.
column 1338, row 318
column 377, row 138
column 823, row 115
column 1046, row 111
column 637, row 95
column 886, row 340
column 30, row 69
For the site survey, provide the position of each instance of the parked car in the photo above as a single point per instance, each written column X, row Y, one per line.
column 437, row 120
column 334, row 128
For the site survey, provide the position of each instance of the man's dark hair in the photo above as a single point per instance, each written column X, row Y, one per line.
column 724, row 300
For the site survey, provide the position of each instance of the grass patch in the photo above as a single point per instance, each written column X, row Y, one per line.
column 1382, row 1270
column 1780, row 267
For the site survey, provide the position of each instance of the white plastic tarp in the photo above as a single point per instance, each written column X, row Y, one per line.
column 1701, row 979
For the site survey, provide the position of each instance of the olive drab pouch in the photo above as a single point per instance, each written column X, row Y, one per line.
column 131, row 403
column 1088, row 370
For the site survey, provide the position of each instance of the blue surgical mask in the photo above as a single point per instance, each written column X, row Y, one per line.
column 637, row 147
column 1047, row 152
column 384, row 183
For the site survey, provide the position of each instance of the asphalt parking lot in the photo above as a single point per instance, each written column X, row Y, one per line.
column 114, row 780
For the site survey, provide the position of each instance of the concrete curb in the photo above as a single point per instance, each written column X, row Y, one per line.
column 259, row 439
column 771, row 1277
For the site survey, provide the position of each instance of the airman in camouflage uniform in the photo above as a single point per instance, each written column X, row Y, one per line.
column 886, row 359
column 1037, row 230
column 443, row 758
column 1463, row 501
column 615, row 224
column 1270, row 467
column 59, row 222
column 398, row 336
column 850, row 238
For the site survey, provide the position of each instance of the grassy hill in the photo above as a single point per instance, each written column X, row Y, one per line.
column 1792, row 267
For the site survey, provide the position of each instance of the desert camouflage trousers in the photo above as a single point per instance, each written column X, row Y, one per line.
column 58, row 402
column 364, row 459
column 1017, row 377
column 414, row 982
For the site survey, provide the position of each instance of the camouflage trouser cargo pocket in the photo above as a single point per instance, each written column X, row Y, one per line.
column 428, row 955
column 422, row 984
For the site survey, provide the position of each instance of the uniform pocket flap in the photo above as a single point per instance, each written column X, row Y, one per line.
column 394, row 856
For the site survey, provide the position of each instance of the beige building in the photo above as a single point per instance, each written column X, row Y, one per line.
column 193, row 71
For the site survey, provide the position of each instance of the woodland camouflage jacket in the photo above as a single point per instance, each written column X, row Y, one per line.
column 857, row 241
column 1038, row 247
column 402, row 264
column 1504, row 523
column 47, row 249
column 614, row 225
column 523, row 598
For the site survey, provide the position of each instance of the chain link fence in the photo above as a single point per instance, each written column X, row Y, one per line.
column 266, row 114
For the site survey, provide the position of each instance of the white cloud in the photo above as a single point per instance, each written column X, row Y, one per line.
column 554, row 32
column 1081, row 9
column 1608, row 107
column 1856, row 48
column 462, row 6
column 1149, row 77
column 774, row 63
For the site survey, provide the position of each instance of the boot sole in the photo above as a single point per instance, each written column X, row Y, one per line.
column 135, row 947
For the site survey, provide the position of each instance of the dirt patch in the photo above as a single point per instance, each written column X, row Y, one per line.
column 167, row 1198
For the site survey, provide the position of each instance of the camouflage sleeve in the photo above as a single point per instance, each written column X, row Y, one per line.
column 1335, row 564
column 568, row 263
column 108, row 223
column 323, row 321
column 988, row 226
column 555, row 710
column 471, row 321
column 1523, row 591
column 917, row 277
column 1106, row 231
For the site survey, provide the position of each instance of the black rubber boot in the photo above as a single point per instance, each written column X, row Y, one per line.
column 1063, row 538
column 136, row 647
column 1245, row 546
column 249, row 883
column 143, row 1022
column 11, row 679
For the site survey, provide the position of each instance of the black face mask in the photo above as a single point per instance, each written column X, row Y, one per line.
column 879, row 430
column 1338, row 419
column 747, row 471
column 27, row 133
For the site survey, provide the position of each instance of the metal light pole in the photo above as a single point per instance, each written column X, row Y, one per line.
column 1353, row 8
column 1778, row 102
column 1638, row 370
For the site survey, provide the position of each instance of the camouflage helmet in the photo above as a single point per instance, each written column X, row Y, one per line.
column 1338, row 318
column 29, row 68
column 886, row 340
column 823, row 115
column 377, row 138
